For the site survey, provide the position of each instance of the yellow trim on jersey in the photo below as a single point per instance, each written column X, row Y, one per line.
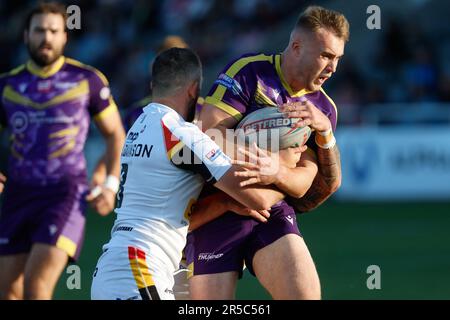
column 88, row 67
column 284, row 82
column 235, row 68
column 188, row 211
column 190, row 272
column 40, row 72
column 107, row 111
column 141, row 273
column 63, row 150
column 331, row 101
column 16, row 70
column 175, row 149
column 81, row 89
column 72, row 131
column 216, row 98
column 261, row 97
column 67, row 245
column 13, row 72
column 224, row 107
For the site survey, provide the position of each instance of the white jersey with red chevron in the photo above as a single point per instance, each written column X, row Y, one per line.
column 164, row 164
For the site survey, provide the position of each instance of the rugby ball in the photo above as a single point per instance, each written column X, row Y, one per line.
column 270, row 129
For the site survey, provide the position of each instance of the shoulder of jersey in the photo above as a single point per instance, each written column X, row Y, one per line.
column 250, row 58
column 328, row 98
column 86, row 68
column 13, row 72
column 172, row 119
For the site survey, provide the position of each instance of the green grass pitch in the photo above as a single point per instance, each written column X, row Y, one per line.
column 410, row 242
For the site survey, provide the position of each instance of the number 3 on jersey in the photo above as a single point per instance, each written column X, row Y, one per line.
column 123, row 178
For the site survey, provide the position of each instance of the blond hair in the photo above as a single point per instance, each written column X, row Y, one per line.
column 315, row 18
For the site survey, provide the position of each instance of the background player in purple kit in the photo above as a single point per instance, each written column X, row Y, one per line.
column 274, row 252
column 46, row 104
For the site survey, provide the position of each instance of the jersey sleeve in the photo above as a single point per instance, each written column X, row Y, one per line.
column 234, row 88
column 101, row 102
column 190, row 149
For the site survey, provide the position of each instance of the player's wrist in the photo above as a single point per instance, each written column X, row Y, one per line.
column 281, row 175
column 112, row 183
column 325, row 139
column 325, row 133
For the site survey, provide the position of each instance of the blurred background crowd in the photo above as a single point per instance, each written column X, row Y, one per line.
column 404, row 62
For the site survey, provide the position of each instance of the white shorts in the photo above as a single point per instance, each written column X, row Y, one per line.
column 129, row 273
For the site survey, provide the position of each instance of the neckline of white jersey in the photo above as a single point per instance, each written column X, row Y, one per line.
column 156, row 104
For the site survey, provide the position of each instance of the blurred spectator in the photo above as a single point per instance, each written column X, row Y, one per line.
column 420, row 75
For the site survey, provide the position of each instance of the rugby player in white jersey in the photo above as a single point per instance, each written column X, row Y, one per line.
column 164, row 164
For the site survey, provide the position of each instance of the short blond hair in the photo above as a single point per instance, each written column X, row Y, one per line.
column 315, row 17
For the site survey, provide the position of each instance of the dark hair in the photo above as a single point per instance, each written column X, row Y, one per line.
column 46, row 7
column 174, row 69
column 315, row 17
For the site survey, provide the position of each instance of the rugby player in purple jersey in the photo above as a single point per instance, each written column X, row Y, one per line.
column 274, row 252
column 46, row 105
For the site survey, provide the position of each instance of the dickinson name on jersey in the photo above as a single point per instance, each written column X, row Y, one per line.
column 136, row 150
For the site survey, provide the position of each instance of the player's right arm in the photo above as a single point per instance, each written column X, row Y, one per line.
column 279, row 168
column 190, row 149
column 325, row 183
column 329, row 176
column 212, row 206
column 255, row 197
column 301, row 177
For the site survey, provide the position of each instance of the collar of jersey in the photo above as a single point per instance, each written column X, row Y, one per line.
column 284, row 82
column 32, row 68
column 159, row 105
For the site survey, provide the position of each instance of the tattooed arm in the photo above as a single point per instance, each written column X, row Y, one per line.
column 326, row 182
column 328, row 178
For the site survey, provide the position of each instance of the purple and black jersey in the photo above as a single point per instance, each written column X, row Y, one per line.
column 48, row 116
column 255, row 81
column 245, row 85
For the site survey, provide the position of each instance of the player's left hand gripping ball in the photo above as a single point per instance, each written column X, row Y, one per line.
column 308, row 113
